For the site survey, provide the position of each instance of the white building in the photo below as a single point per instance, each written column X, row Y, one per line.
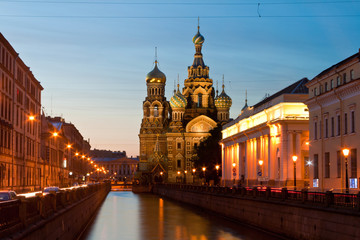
column 258, row 146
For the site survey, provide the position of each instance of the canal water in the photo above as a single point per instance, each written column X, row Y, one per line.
column 128, row 216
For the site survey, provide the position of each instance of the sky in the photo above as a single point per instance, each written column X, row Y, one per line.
column 92, row 56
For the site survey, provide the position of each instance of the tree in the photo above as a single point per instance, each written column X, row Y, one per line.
column 208, row 154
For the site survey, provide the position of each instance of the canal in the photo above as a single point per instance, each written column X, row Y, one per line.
column 128, row 216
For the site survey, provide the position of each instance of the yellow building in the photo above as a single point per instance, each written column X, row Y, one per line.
column 170, row 130
column 334, row 96
column 259, row 145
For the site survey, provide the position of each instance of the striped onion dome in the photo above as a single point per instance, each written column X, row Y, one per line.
column 223, row 100
column 178, row 100
column 198, row 38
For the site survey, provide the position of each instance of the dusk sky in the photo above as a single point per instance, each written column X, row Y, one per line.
column 92, row 56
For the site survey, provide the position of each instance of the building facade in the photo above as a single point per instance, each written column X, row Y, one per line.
column 259, row 145
column 66, row 155
column 20, row 102
column 120, row 169
column 334, row 99
column 170, row 130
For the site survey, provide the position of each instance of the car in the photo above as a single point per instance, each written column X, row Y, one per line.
column 7, row 195
column 48, row 190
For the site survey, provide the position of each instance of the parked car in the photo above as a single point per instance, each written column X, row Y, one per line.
column 7, row 195
column 47, row 190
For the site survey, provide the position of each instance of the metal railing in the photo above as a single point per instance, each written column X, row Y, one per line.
column 19, row 213
column 325, row 199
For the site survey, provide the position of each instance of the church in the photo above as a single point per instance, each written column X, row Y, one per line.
column 171, row 130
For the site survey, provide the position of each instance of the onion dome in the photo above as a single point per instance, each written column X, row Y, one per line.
column 155, row 76
column 178, row 100
column 223, row 100
column 198, row 38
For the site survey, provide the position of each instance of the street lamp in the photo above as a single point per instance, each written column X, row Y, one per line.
column 234, row 171
column 261, row 162
column 204, row 169
column 294, row 158
column 193, row 173
column 346, row 152
column 185, row 172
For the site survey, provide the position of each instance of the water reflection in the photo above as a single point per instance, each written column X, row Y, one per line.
column 125, row 215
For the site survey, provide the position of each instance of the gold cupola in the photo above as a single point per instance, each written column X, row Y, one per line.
column 155, row 76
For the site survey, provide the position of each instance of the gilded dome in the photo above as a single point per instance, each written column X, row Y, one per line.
column 198, row 38
column 178, row 100
column 223, row 100
column 155, row 76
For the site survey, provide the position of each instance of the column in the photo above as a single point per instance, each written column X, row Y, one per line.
column 290, row 146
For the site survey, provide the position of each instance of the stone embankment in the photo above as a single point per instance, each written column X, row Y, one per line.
column 61, row 216
column 292, row 214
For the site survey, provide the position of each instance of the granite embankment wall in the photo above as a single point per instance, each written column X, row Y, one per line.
column 61, row 216
column 302, row 216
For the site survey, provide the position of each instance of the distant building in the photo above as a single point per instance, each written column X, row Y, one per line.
column 258, row 146
column 20, row 99
column 64, row 151
column 170, row 130
column 121, row 169
column 334, row 101
column 97, row 153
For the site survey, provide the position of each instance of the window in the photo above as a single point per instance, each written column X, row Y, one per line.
column 338, row 163
column 315, row 130
column 353, row 163
column 199, row 100
column 156, row 111
column 344, row 78
column 315, row 91
column 327, row 165
column 352, row 121
column 195, row 145
column 338, row 81
column 331, row 84
column 316, row 166
column 338, row 125
column 179, row 163
column 178, row 145
column 326, row 128
column 326, row 87
column 351, row 75
column 321, row 130
column 332, row 126
column 345, row 124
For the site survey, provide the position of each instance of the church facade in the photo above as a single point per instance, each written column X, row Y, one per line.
column 170, row 130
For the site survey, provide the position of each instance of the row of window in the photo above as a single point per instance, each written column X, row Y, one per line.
column 6, row 59
column 340, row 80
column 352, row 159
column 332, row 126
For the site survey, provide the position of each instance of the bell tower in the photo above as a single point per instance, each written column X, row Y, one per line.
column 155, row 116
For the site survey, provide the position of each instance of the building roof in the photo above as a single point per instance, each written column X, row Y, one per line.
column 295, row 88
column 333, row 67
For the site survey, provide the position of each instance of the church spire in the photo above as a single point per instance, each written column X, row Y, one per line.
column 198, row 40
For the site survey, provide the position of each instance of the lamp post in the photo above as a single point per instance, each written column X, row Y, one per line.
column 193, row 173
column 204, row 169
column 346, row 152
column 217, row 167
column 294, row 158
column 261, row 162
column 234, row 171
column 32, row 119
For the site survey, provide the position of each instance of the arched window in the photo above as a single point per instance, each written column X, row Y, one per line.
column 199, row 100
column 156, row 111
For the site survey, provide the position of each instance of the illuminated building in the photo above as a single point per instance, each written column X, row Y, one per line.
column 170, row 130
column 121, row 169
column 334, row 99
column 257, row 147
column 20, row 100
